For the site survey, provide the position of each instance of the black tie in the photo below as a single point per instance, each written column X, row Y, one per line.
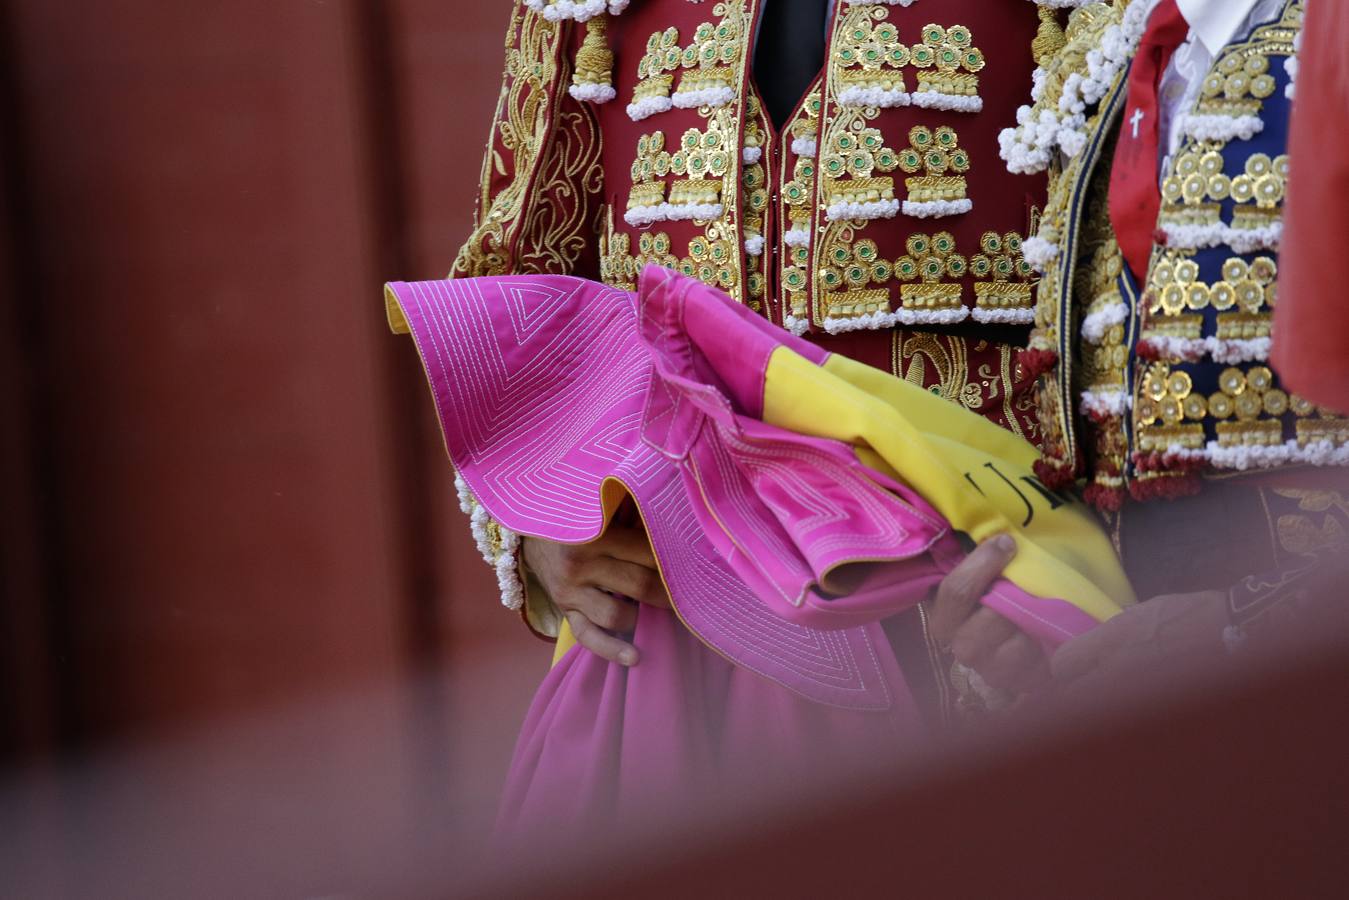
column 789, row 54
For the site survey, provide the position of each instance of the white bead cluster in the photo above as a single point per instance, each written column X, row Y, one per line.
column 804, row 146
column 946, row 102
column 879, row 320
column 1062, row 124
column 1103, row 404
column 933, row 316
column 1220, row 127
column 840, row 325
column 1003, row 316
column 889, row 98
column 936, row 209
column 1096, row 324
column 871, row 209
column 648, row 106
column 639, row 216
column 1290, row 65
column 1229, row 351
column 1252, row 456
column 714, row 97
column 501, row 556
column 1241, row 240
column 881, row 98
column 577, row 10
column 1039, row 252
column 592, row 93
column 794, row 325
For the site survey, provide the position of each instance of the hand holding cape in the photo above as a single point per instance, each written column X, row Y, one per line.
column 793, row 498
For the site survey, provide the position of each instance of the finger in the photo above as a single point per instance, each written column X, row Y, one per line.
column 1018, row 665
column 1091, row 685
column 630, row 580
column 601, row 609
column 980, row 636
column 1086, row 652
column 1127, row 669
column 966, row 584
column 628, row 544
column 600, row 642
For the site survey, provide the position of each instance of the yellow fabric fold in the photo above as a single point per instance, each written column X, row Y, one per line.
column 978, row 476
column 393, row 312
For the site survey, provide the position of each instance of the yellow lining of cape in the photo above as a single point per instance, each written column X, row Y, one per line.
column 936, row 446
column 920, row 439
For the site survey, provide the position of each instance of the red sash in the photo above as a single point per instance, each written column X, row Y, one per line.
column 1135, row 198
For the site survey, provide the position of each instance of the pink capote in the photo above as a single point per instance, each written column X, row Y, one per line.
column 547, row 386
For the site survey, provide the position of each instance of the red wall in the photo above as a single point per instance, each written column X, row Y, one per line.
column 224, row 489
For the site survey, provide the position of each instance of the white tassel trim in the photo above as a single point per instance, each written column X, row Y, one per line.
column 467, row 503
column 796, row 326
column 882, row 2
column 751, row 155
column 796, row 237
column 936, row 209
column 717, row 96
column 872, row 96
column 1039, row 253
column 508, row 572
column 503, row 559
column 872, row 209
column 1029, row 147
column 948, row 102
column 1095, row 325
column 804, row 146
column 578, row 10
column 1106, row 403
column 933, row 316
column 648, row 106
column 592, row 93
column 1002, row 316
column 1229, row 352
column 871, row 321
column 754, row 245
column 881, row 320
column 1221, row 128
column 1245, row 457
column 673, row 212
column 1241, row 240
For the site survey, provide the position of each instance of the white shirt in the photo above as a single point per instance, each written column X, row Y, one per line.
column 1213, row 25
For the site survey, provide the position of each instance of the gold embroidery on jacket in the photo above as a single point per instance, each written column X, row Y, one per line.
column 1007, row 280
column 520, row 129
column 948, row 62
column 561, row 222
column 795, row 209
column 1323, row 527
column 849, row 165
column 662, row 57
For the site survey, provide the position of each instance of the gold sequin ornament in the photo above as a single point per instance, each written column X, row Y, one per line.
column 594, row 76
column 929, row 261
column 935, row 153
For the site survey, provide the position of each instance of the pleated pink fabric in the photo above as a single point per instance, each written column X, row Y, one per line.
column 783, row 553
